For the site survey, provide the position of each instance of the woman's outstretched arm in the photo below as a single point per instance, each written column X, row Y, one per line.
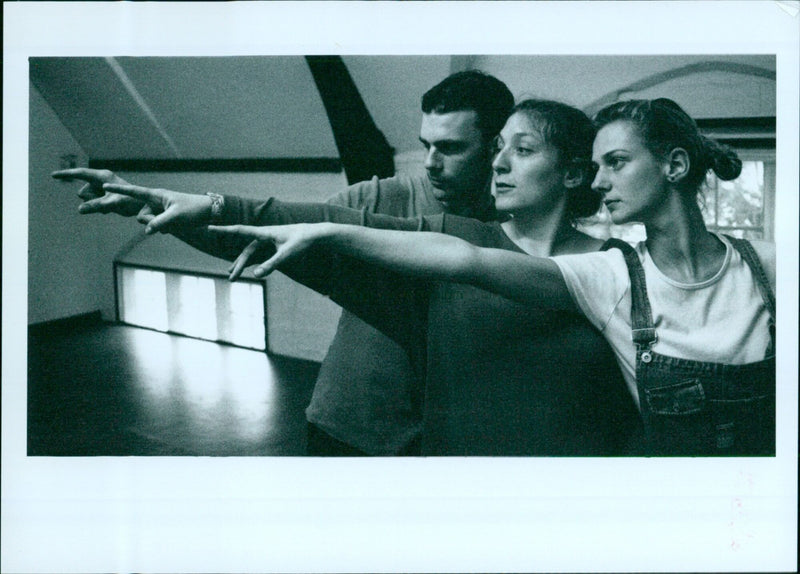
column 428, row 255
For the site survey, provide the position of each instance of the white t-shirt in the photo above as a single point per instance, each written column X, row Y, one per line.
column 720, row 320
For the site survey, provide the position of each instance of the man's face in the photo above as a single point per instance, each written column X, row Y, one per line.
column 458, row 161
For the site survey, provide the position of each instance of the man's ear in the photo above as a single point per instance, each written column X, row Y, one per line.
column 574, row 175
column 677, row 165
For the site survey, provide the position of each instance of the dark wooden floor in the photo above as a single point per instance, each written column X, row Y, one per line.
column 111, row 390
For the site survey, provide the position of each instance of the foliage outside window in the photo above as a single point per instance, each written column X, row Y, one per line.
column 743, row 207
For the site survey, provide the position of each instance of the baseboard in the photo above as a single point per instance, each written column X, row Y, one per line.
column 66, row 324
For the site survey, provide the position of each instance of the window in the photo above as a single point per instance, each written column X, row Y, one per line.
column 203, row 307
column 743, row 207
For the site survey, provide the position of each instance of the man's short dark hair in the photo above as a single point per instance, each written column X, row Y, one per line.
column 472, row 90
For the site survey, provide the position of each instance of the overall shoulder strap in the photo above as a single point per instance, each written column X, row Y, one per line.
column 642, row 330
column 745, row 248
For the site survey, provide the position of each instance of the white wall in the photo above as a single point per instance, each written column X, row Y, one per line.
column 581, row 80
column 69, row 255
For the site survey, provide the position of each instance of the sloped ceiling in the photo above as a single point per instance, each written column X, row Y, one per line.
column 187, row 108
column 269, row 107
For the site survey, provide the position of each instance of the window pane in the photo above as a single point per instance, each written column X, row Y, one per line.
column 708, row 201
column 741, row 202
column 195, row 315
column 144, row 298
column 247, row 315
column 745, row 233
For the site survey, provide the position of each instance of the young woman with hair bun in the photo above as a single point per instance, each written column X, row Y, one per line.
column 698, row 306
column 690, row 314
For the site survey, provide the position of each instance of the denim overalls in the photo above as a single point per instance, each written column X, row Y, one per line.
column 695, row 408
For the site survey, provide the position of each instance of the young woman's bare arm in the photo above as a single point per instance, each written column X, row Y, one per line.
column 433, row 256
column 518, row 276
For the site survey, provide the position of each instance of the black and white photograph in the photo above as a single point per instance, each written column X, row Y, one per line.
column 352, row 287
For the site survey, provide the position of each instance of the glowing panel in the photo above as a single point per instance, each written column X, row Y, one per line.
column 247, row 315
column 194, row 308
column 144, row 298
column 201, row 307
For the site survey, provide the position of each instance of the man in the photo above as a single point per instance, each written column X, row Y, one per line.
column 367, row 399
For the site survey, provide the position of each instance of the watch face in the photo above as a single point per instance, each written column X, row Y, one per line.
column 217, row 203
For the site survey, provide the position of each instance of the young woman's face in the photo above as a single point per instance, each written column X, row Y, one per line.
column 527, row 173
column 631, row 180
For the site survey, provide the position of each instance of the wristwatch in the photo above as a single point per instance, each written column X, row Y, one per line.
column 217, row 205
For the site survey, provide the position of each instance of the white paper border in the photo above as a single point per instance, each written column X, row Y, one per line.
column 458, row 515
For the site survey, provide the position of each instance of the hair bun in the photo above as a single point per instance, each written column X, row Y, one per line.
column 721, row 159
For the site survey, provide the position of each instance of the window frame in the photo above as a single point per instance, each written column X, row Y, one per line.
column 767, row 227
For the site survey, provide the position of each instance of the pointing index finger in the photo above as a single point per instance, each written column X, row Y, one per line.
column 134, row 191
column 75, row 173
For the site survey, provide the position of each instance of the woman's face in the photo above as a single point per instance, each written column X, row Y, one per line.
column 631, row 180
column 527, row 173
